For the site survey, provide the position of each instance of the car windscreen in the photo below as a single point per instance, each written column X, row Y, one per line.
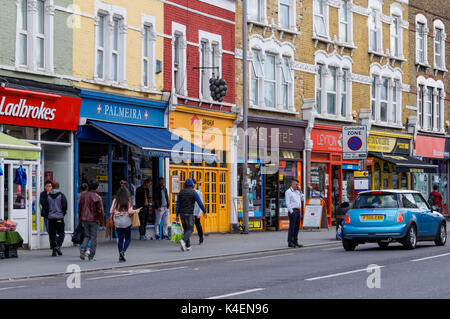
column 371, row 200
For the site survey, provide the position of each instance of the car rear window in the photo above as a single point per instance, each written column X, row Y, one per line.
column 371, row 200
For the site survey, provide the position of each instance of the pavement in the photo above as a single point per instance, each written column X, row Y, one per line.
column 39, row 263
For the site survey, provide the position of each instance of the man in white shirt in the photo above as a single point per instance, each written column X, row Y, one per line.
column 294, row 203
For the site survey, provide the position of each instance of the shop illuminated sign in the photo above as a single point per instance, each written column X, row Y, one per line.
column 23, row 110
column 38, row 109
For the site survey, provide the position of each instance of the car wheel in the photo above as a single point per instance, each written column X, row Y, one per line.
column 349, row 245
column 383, row 244
column 410, row 240
column 441, row 238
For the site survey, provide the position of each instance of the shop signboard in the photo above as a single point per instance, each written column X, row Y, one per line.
column 312, row 216
column 361, row 184
column 388, row 144
column 431, row 147
column 175, row 185
column 354, row 142
column 37, row 109
column 326, row 140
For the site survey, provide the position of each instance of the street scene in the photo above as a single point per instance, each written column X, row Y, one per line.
column 222, row 149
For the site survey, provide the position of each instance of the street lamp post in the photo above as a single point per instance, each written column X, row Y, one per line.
column 244, row 106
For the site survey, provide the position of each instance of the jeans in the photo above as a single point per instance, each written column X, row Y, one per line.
column 90, row 234
column 162, row 216
column 124, row 240
column 56, row 227
column 188, row 225
column 143, row 219
column 294, row 226
column 198, row 225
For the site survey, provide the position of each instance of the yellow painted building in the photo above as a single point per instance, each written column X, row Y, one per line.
column 131, row 36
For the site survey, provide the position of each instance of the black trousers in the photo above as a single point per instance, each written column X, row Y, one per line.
column 143, row 219
column 294, row 226
column 56, row 227
column 198, row 225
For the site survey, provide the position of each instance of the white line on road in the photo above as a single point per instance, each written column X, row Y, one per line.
column 334, row 248
column 237, row 293
column 264, row 257
column 431, row 257
column 16, row 287
column 134, row 272
column 342, row 273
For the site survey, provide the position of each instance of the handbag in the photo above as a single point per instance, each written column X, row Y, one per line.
column 135, row 220
column 78, row 234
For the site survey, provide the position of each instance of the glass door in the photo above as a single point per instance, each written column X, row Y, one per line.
column 19, row 200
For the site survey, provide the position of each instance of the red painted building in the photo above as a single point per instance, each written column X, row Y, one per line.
column 200, row 44
column 199, row 33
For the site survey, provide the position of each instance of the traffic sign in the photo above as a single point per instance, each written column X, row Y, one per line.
column 359, row 174
column 354, row 142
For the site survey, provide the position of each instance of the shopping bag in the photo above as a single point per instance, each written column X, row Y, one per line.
column 135, row 220
column 78, row 234
column 176, row 233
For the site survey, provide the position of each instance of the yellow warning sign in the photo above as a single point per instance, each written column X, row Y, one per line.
column 361, row 174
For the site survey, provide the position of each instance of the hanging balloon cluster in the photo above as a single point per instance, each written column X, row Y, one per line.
column 218, row 88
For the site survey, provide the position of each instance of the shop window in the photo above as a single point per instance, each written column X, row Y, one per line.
column 55, row 135
column 404, row 181
column 21, row 132
column 395, row 180
column 319, row 182
column 119, row 153
column 56, row 162
column 377, row 176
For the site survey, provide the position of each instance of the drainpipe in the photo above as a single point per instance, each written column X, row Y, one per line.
column 309, row 114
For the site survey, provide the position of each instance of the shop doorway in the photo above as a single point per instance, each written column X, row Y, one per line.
column 19, row 201
column 271, row 201
column 335, row 190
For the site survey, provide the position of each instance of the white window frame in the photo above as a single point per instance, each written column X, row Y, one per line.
column 375, row 7
column 393, row 76
column 281, row 51
column 148, row 35
column 397, row 30
column 343, row 65
column 179, row 84
column 261, row 8
column 291, row 15
column 32, row 35
column 438, row 25
column 213, row 45
column 421, row 19
column 348, row 24
column 436, row 103
column 287, row 82
column 273, row 82
column 324, row 16
column 110, row 14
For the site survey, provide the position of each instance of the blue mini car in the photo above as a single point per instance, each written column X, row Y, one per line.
column 392, row 215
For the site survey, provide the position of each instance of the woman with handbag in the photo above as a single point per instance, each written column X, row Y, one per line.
column 122, row 212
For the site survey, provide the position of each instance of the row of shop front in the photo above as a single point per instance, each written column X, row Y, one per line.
column 73, row 136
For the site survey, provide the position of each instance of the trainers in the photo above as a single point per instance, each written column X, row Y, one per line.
column 182, row 245
column 58, row 250
column 188, row 248
column 200, row 241
column 91, row 257
column 166, row 238
column 143, row 238
column 82, row 254
column 54, row 253
column 122, row 257
column 157, row 237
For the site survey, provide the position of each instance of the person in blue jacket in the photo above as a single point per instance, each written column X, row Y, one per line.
column 185, row 208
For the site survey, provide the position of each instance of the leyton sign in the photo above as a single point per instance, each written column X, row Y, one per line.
column 329, row 141
column 36, row 109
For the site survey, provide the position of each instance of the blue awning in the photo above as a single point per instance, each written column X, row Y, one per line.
column 156, row 142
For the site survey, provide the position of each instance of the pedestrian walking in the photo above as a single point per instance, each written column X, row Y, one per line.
column 435, row 198
column 294, row 202
column 143, row 199
column 198, row 214
column 90, row 209
column 57, row 209
column 185, row 208
column 122, row 211
column 43, row 202
column 161, row 208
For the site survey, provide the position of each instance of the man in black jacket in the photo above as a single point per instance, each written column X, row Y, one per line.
column 57, row 209
column 143, row 199
column 161, row 208
column 43, row 202
column 185, row 207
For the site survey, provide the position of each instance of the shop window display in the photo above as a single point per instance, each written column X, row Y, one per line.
column 319, row 182
column 254, row 178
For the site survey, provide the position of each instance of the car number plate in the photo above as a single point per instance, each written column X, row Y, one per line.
column 373, row 217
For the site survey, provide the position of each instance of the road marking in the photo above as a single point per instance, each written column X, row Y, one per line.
column 254, row 258
column 343, row 273
column 134, row 272
column 437, row 256
column 334, row 248
column 16, row 287
column 237, row 293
